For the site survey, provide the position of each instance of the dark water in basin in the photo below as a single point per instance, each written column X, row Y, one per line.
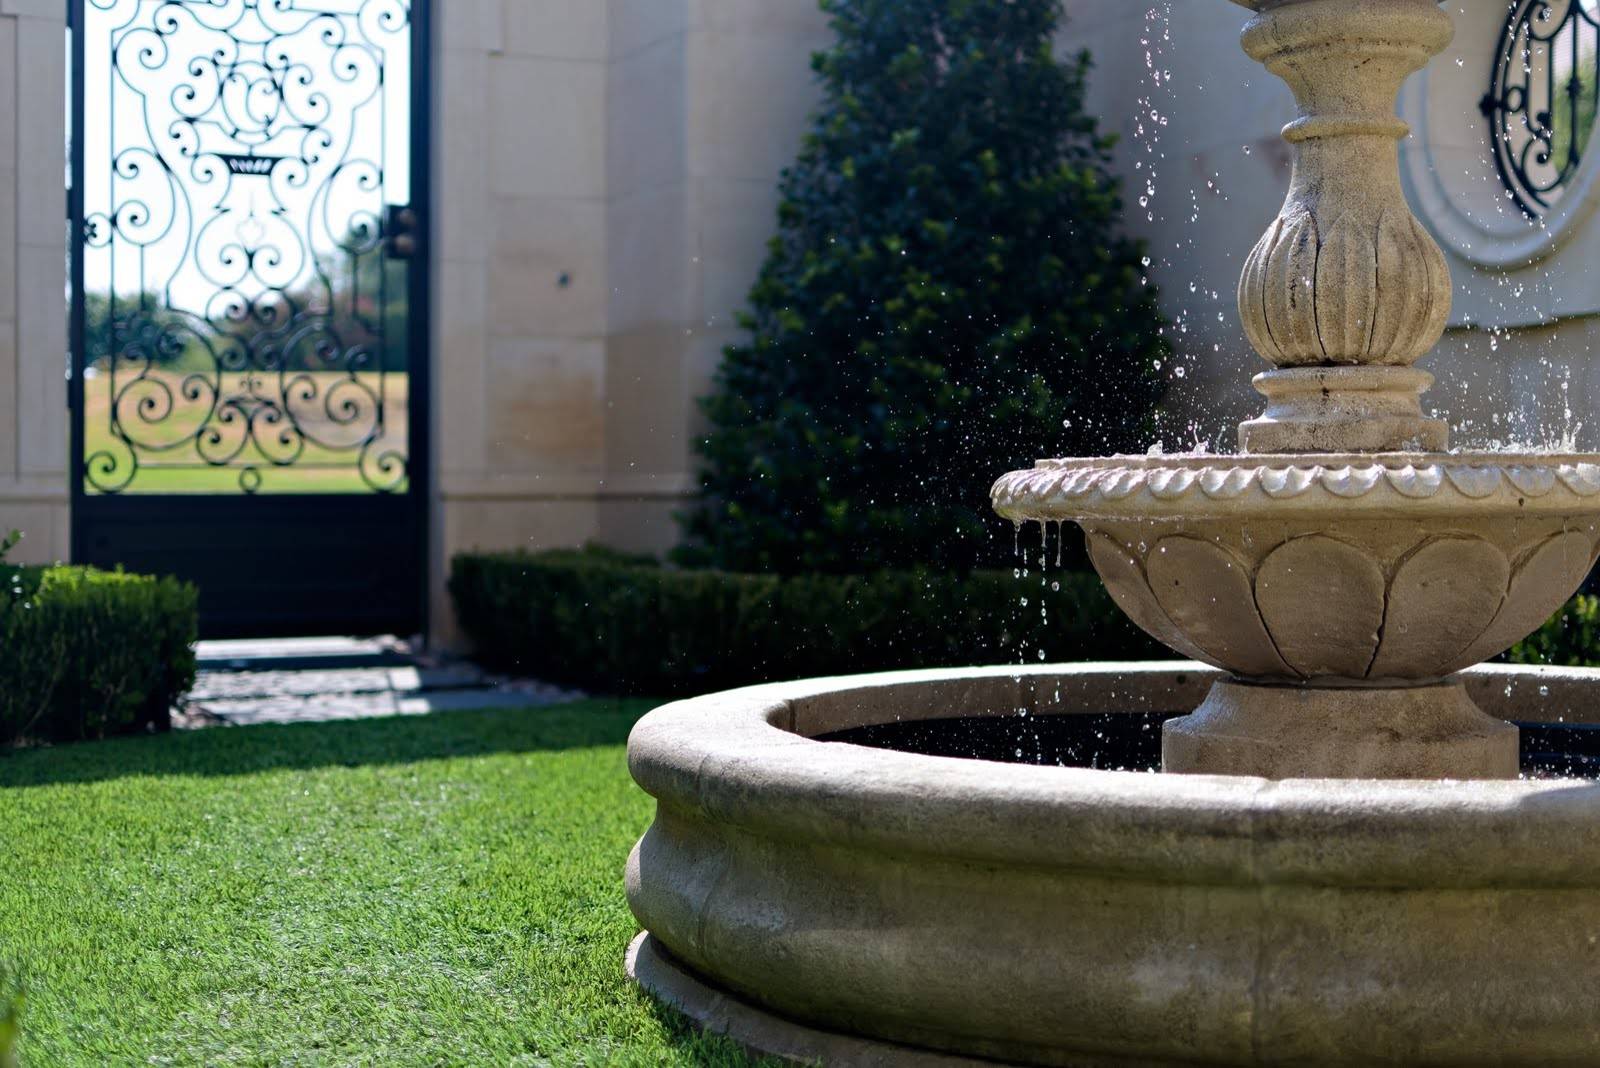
column 1131, row 741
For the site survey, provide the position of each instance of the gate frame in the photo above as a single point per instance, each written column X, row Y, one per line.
column 419, row 330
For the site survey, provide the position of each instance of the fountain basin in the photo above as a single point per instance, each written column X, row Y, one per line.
column 1329, row 569
column 824, row 900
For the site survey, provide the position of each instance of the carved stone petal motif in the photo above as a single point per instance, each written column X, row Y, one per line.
column 1290, row 298
column 1352, row 481
column 1474, row 482
column 1346, row 295
column 1542, row 583
column 1413, row 290
column 1533, row 481
column 1280, row 482
column 1125, row 581
column 1124, row 478
column 1171, row 483
column 1323, row 604
column 1442, row 598
column 1226, row 485
column 1078, row 483
column 1252, row 296
column 1582, row 479
column 1123, row 483
column 1417, row 482
column 1205, row 591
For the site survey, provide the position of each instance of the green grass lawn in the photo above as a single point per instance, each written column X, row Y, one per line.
column 437, row 890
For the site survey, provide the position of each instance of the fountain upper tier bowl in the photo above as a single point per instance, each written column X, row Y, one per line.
column 1333, row 568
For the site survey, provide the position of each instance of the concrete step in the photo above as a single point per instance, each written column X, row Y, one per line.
column 313, row 680
column 242, row 685
column 296, row 654
column 322, row 708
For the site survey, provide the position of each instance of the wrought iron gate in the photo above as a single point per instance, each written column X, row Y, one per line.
column 249, row 372
column 1544, row 91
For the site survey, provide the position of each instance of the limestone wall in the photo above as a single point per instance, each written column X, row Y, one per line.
column 519, row 311
column 33, row 315
column 707, row 102
column 1516, row 362
column 604, row 187
column 1208, row 130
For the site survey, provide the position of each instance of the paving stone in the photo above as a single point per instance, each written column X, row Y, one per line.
column 310, row 681
column 297, row 653
column 237, row 685
column 298, row 709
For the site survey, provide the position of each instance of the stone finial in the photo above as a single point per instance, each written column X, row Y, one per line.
column 1346, row 290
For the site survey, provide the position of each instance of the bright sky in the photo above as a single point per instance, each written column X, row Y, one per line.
column 209, row 83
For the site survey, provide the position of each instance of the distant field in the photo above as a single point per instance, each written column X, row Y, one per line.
column 170, row 461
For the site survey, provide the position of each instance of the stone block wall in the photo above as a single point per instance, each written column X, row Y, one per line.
column 1516, row 363
column 519, row 321
column 33, row 315
column 604, row 187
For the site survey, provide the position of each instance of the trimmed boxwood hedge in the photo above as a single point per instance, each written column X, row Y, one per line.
column 611, row 623
column 1571, row 637
column 88, row 654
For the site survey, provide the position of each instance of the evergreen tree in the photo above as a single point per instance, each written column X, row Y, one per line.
column 949, row 296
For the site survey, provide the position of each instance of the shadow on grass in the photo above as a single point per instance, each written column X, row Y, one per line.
column 221, row 751
column 705, row 1049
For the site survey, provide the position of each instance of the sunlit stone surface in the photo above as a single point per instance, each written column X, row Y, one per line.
column 1343, row 549
column 797, row 892
column 1345, row 573
column 1322, row 893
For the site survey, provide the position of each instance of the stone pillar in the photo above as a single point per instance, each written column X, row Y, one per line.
column 1346, row 290
column 33, row 304
column 1310, row 732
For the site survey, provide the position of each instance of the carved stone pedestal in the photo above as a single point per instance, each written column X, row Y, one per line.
column 1306, row 732
column 1346, row 290
column 1331, row 409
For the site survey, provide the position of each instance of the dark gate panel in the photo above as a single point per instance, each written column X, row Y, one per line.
column 270, row 566
column 249, row 305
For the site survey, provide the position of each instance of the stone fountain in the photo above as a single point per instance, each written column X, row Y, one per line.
column 1344, row 565
column 1351, row 872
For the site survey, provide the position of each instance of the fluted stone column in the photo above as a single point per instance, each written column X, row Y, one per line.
column 1346, row 290
column 1345, row 566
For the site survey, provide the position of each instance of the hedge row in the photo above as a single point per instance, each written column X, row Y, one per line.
column 87, row 654
column 616, row 624
column 1571, row 638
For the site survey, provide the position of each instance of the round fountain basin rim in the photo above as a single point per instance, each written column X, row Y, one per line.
column 1278, row 460
column 1348, row 485
column 736, row 759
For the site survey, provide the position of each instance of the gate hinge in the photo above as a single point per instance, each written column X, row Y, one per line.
column 399, row 231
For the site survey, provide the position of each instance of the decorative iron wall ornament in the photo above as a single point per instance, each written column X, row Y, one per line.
column 1542, row 98
column 244, row 309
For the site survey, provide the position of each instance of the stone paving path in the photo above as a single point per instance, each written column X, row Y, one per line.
column 321, row 679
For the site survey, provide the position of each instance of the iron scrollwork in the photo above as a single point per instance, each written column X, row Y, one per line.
column 1542, row 98
column 243, row 307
